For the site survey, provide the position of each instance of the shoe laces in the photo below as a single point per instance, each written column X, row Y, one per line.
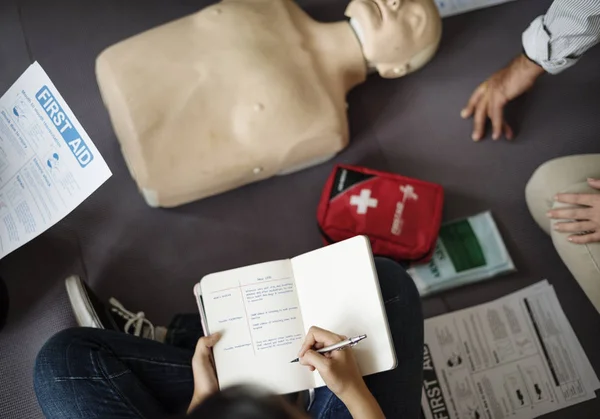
column 134, row 321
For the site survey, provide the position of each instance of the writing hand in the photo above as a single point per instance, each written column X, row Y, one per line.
column 340, row 372
column 203, row 367
column 586, row 224
column 490, row 98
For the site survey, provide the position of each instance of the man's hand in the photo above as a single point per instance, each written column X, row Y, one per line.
column 489, row 99
column 203, row 366
column 583, row 222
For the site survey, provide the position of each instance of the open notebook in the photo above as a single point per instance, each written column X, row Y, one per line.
column 264, row 311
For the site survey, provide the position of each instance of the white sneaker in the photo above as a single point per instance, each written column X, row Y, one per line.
column 91, row 312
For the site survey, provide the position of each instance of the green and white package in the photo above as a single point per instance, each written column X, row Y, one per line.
column 468, row 250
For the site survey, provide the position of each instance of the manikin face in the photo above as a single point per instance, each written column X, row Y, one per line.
column 392, row 32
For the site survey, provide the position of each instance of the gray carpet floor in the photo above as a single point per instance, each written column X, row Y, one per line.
column 151, row 258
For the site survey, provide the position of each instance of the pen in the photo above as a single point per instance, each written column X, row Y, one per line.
column 338, row 346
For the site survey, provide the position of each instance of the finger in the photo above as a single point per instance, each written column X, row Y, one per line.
column 508, row 132
column 496, row 108
column 473, row 100
column 479, row 120
column 570, row 214
column 576, row 227
column 585, row 239
column 594, row 183
column 577, row 198
column 205, row 343
column 318, row 338
column 211, row 340
column 317, row 335
column 313, row 359
column 309, row 343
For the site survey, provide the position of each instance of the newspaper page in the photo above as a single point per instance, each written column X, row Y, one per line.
column 516, row 357
column 48, row 163
column 455, row 7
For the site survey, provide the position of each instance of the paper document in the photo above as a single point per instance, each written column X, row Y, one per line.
column 264, row 312
column 516, row 357
column 468, row 250
column 455, row 7
column 48, row 164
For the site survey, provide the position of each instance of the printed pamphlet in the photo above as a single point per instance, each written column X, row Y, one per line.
column 516, row 357
column 467, row 251
column 48, row 163
column 455, row 7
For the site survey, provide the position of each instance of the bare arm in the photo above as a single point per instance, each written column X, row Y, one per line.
column 552, row 43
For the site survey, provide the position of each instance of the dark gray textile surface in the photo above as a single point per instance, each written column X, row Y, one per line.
column 151, row 258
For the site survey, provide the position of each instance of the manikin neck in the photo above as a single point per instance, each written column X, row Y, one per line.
column 340, row 51
column 360, row 36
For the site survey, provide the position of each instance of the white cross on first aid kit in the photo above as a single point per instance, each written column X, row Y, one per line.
column 363, row 201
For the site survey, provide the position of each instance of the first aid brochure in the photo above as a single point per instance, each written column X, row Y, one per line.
column 48, row 163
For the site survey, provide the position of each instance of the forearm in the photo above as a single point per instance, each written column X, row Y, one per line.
column 193, row 405
column 197, row 398
column 569, row 28
column 362, row 405
column 527, row 67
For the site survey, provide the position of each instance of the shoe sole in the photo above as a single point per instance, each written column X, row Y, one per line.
column 81, row 304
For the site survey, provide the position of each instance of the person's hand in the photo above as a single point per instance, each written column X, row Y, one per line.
column 340, row 372
column 489, row 99
column 338, row 369
column 203, row 367
column 583, row 222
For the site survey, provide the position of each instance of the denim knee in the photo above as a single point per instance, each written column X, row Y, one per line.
column 60, row 357
column 395, row 282
column 50, row 358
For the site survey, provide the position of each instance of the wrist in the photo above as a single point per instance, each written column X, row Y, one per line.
column 360, row 403
column 354, row 392
column 529, row 66
column 364, row 406
column 197, row 398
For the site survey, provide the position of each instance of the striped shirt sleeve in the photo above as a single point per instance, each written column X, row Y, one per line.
column 556, row 40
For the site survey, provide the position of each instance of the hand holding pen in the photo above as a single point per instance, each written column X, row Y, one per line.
column 338, row 369
column 346, row 343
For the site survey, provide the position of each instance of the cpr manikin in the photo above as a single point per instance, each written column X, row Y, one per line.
column 246, row 89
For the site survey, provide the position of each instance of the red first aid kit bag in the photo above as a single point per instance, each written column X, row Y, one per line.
column 401, row 216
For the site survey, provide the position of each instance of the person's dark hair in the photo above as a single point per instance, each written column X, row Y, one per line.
column 243, row 402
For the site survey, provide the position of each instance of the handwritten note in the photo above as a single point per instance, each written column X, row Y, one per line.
column 261, row 312
column 278, row 342
column 257, row 311
column 274, row 316
column 269, row 290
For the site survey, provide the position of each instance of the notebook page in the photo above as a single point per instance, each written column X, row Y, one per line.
column 256, row 310
column 339, row 291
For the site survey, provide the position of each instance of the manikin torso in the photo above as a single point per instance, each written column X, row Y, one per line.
column 235, row 93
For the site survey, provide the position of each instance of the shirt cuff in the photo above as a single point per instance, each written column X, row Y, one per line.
column 537, row 46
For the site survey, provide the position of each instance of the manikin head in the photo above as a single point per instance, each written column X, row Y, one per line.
column 397, row 36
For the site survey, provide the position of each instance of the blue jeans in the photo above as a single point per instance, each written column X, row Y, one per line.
column 94, row 373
